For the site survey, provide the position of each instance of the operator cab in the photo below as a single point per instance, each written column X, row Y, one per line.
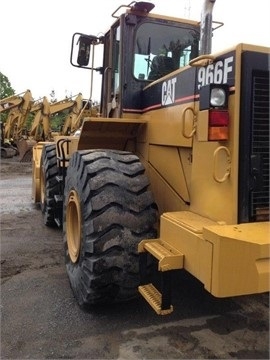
column 138, row 49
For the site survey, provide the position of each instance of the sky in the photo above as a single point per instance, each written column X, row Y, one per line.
column 36, row 37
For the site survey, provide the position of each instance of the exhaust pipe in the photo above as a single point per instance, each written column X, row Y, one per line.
column 206, row 27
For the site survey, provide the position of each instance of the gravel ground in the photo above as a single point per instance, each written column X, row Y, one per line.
column 41, row 320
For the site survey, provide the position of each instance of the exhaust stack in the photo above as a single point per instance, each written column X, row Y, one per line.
column 206, row 27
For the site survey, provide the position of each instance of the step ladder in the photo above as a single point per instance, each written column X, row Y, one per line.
column 168, row 259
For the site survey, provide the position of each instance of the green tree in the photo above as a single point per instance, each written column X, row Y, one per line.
column 58, row 119
column 5, row 87
column 5, row 91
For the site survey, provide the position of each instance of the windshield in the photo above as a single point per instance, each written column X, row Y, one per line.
column 161, row 49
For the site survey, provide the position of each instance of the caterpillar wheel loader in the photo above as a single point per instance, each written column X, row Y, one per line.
column 18, row 107
column 174, row 170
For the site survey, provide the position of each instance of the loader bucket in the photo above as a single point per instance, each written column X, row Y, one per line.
column 25, row 149
column 7, row 152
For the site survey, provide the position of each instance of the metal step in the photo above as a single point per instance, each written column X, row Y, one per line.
column 154, row 298
column 169, row 258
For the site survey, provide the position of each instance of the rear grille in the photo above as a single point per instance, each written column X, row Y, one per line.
column 260, row 143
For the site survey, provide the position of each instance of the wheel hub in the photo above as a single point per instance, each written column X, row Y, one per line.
column 73, row 224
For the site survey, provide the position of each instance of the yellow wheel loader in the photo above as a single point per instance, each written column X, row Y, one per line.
column 174, row 169
column 41, row 133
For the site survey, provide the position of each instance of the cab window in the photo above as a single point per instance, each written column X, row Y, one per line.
column 161, row 49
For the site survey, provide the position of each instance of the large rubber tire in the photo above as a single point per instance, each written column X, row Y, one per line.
column 49, row 185
column 108, row 210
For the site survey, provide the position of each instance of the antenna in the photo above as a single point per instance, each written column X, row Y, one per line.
column 187, row 9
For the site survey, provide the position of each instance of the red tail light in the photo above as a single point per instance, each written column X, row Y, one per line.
column 218, row 128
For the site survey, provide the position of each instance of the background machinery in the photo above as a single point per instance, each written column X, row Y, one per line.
column 41, row 129
column 18, row 107
column 8, row 150
column 173, row 171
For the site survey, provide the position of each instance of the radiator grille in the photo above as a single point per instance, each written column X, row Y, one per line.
column 260, row 143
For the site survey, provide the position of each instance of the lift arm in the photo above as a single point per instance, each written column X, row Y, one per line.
column 41, row 128
column 19, row 108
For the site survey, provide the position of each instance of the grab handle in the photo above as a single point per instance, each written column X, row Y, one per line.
column 194, row 125
column 228, row 169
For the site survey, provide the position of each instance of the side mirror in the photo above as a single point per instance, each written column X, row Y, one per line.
column 81, row 49
column 84, row 51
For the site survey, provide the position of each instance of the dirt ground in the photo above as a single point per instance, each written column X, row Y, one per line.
column 41, row 320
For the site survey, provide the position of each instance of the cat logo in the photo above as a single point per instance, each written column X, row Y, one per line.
column 168, row 92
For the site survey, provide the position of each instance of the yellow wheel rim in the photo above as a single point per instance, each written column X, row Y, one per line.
column 42, row 185
column 73, row 226
column 36, row 171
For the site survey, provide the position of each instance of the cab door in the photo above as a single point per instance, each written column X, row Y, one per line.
column 111, row 89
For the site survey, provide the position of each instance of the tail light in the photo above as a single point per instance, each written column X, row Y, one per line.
column 218, row 125
column 214, row 98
